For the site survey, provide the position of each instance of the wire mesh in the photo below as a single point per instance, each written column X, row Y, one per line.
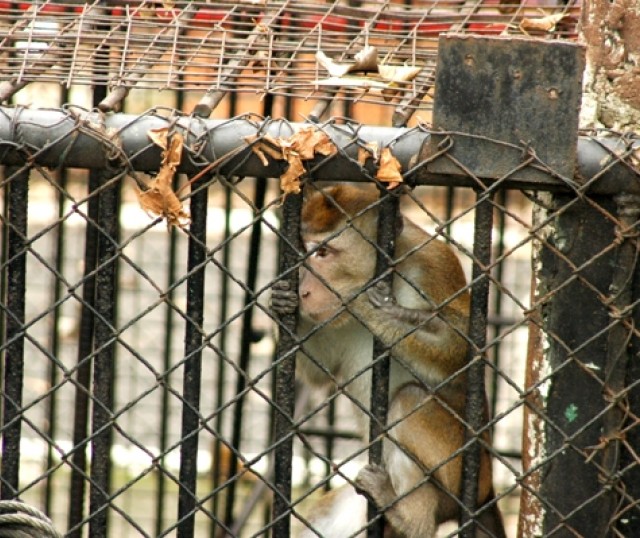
column 151, row 375
column 188, row 418
column 377, row 52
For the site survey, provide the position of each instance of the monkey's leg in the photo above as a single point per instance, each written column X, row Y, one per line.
column 423, row 437
column 412, row 515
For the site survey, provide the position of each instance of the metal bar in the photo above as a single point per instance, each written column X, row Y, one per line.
column 385, row 253
column 56, row 131
column 246, row 339
column 104, row 357
column 16, row 276
column 476, row 398
column 187, row 500
column 618, row 352
column 78, row 478
column 290, row 256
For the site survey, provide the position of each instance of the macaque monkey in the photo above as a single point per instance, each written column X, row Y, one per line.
column 423, row 318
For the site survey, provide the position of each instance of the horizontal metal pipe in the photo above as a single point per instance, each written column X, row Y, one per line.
column 79, row 139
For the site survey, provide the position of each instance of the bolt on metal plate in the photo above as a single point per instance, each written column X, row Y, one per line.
column 521, row 91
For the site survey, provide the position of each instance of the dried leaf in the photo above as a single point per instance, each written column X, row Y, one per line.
column 398, row 73
column 290, row 180
column 543, row 24
column 390, row 170
column 368, row 151
column 366, row 60
column 334, row 69
column 159, row 198
column 309, row 141
column 302, row 145
column 159, row 136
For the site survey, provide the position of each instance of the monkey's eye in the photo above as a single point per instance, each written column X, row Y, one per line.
column 317, row 251
column 321, row 252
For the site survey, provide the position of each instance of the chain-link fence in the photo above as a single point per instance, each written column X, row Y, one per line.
column 144, row 393
column 246, row 326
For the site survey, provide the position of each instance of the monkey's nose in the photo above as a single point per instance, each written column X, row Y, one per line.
column 304, row 294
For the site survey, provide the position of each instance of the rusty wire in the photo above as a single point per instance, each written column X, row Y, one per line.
column 624, row 419
column 225, row 46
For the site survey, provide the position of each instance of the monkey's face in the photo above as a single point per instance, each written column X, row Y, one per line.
column 333, row 275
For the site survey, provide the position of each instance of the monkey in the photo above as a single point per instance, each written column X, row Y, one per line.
column 422, row 317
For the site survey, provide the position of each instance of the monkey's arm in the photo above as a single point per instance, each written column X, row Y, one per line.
column 381, row 297
column 433, row 338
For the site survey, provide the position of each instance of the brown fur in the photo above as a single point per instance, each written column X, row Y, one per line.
column 423, row 323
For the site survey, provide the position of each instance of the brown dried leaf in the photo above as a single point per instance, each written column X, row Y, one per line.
column 290, row 180
column 309, row 141
column 159, row 198
column 302, row 145
column 543, row 24
column 159, row 136
column 368, row 151
column 266, row 146
column 390, row 170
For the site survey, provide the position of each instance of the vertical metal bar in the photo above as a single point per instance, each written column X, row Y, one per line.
column 78, row 477
column 618, row 352
column 387, row 218
column 476, row 399
column 16, row 276
column 192, row 368
column 246, row 339
column 290, row 256
column 104, row 354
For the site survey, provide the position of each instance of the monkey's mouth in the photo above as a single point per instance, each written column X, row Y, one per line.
column 321, row 315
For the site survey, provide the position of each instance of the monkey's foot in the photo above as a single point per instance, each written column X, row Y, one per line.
column 380, row 295
column 373, row 482
column 283, row 300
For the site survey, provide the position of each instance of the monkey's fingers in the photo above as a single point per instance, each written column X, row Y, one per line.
column 283, row 300
column 380, row 295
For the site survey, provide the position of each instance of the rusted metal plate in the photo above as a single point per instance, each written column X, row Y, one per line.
column 520, row 91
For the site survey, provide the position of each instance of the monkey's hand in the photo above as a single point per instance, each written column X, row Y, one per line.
column 381, row 297
column 374, row 483
column 283, row 299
